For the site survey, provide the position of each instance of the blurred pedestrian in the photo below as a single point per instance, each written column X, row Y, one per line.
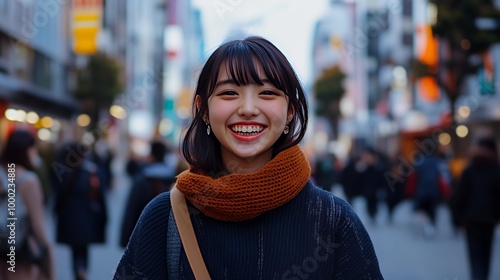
column 372, row 180
column 394, row 188
column 34, row 254
column 326, row 171
column 102, row 156
column 363, row 177
column 134, row 164
column 476, row 204
column 153, row 178
column 255, row 213
column 427, row 186
column 80, row 205
column 350, row 178
column 41, row 169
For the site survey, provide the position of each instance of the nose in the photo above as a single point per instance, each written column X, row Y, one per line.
column 248, row 106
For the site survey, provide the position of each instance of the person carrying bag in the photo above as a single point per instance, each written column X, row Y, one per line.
column 253, row 209
column 33, row 251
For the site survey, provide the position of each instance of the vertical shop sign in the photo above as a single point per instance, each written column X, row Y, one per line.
column 86, row 21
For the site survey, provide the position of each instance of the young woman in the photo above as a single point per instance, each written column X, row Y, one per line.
column 255, row 213
column 34, row 255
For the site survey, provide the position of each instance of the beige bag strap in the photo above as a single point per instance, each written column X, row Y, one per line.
column 188, row 238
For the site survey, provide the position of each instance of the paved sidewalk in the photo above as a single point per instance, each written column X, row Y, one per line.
column 404, row 254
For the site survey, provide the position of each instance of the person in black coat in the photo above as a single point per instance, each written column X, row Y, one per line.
column 394, row 188
column 475, row 204
column 80, row 205
column 373, row 179
column 351, row 180
column 325, row 171
column 364, row 176
column 150, row 180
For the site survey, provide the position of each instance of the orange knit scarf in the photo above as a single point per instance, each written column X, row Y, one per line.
column 240, row 197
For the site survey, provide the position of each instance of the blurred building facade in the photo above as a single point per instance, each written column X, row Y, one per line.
column 38, row 62
column 35, row 67
column 334, row 43
column 158, row 46
column 183, row 55
column 164, row 48
column 144, row 68
column 377, row 50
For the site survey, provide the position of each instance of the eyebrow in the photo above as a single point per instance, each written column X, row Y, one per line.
column 225, row 82
column 230, row 81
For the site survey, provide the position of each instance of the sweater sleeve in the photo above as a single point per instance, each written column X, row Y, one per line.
column 355, row 255
column 145, row 254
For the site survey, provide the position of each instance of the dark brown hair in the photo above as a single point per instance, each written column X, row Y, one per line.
column 16, row 149
column 242, row 59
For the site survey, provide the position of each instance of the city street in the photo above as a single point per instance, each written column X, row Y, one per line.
column 403, row 253
column 410, row 89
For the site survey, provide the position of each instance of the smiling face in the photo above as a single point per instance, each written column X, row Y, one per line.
column 247, row 91
column 247, row 120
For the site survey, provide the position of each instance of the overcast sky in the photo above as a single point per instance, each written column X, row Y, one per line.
column 287, row 23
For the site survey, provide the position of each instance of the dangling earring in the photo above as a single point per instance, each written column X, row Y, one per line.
column 208, row 129
column 287, row 129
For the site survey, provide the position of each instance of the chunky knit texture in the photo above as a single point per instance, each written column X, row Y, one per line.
column 240, row 197
column 314, row 236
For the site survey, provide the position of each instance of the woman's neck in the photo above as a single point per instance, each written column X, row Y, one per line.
column 244, row 166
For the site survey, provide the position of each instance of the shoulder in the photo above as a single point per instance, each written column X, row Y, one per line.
column 327, row 204
column 145, row 252
column 25, row 177
column 313, row 191
column 338, row 222
column 28, row 186
column 25, row 174
column 160, row 205
column 336, row 218
column 333, row 214
column 155, row 213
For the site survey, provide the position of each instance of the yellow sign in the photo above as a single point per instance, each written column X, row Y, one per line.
column 86, row 18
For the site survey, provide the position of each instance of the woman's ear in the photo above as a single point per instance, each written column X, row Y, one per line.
column 291, row 114
column 197, row 102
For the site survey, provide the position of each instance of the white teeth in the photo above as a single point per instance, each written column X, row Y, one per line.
column 247, row 128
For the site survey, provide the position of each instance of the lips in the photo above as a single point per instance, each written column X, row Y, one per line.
column 249, row 129
column 247, row 132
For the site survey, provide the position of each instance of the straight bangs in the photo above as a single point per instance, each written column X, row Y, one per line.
column 244, row 60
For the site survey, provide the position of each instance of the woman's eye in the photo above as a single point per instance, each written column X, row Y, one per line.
column 228, row 92
column 269, row 92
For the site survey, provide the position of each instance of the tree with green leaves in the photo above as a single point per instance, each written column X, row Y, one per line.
column 98, row 85
column 328, row 91
column 462, row 39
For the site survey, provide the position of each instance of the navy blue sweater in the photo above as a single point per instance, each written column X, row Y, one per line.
column 314, row 236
